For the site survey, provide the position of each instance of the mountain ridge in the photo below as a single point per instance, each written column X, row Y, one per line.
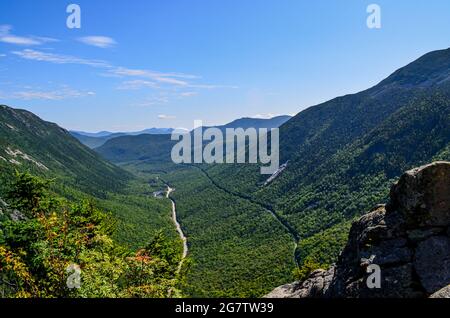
column 30, row 144
column 157, row 148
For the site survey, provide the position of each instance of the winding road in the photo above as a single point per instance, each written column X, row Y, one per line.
column 179, row 229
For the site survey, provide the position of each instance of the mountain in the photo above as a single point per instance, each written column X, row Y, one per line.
column 94, row 140
column 343, row 154
column 102, row 133
column 28, row 143
column 409, row 239
column 153, row 131
column 257, row 123
column 340, row 158
column 157, row 148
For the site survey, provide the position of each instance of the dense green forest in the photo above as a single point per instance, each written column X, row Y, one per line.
column 46, row 241
column 237, row 248
column 245, row 237
column 93, row 214
column 342, row 156
column 28, row 143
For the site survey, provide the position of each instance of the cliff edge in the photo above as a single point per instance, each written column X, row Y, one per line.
column 408, row 239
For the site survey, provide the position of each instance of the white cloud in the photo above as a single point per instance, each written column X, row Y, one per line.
column 98, row 41
column 177, row 79
column 172, row 79
column 136, row 84
column 169, row 80
column 123, row 71
column 30, row 54
column 188, row 94
column 266, row 116
column 149, row 78
column 7, row 37
column 11, row 39
column 63, row 93
column 166, row 117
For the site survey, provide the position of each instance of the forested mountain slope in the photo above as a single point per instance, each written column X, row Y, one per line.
column 54, row 150
column 343, row 154
column 94, row 140
column 341, row 157
column 27, row 143
column 157, row 148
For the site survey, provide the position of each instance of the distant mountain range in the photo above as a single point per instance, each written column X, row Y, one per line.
column 257, row 123
column 157, row 148
column 155, row 131
column 341, row 157
column 94, row 140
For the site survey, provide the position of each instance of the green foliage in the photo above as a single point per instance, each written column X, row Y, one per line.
column 340, row 166
column 236, row 248
column 309, row 266
column 41, row 237
column 80, row 174
column 28, row 194
column 123, row 149
column 45, row 149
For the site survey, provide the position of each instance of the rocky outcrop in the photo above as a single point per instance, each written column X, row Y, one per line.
column 408, row 239
column 12, row 214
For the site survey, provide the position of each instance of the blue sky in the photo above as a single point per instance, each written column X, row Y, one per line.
column 164, row 63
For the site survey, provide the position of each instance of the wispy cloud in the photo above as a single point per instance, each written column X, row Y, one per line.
column 166, row 117
column 136, row 84
column 7, row 37
column 30, row 54
column 142, row 78
column 188, row 94
column 177, row 79
column 64, row 92
column 98, row 41
column 123, row 71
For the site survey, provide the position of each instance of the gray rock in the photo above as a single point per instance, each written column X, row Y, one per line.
column 419, row 235
column 422, row 195
column 442, row 293
column 409, row 238
column 389, row 252
column 432, row 263
column 284, row 291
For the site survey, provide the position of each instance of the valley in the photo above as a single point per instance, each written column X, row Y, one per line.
column 178, row 227
column 343, row 155
column 237, row 234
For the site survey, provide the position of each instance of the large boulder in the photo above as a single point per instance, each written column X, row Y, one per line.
column 408, row 239
column 422, row 195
